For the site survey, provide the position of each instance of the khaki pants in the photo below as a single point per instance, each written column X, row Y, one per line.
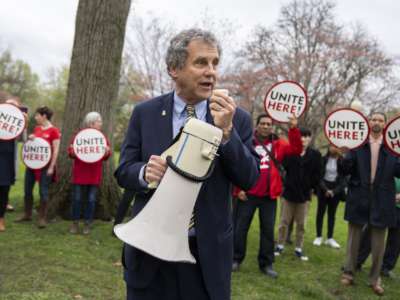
column 377, row 250
column 296, row 212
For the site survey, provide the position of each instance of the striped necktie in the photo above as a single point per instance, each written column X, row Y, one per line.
column 191, row 113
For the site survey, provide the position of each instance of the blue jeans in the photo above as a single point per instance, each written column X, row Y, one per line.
column 76, row 202
column 44, row 184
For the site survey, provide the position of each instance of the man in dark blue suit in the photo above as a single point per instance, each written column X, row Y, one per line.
column 192, row 59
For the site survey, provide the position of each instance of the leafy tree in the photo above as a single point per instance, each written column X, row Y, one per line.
column 17, row 78
column 336, row 64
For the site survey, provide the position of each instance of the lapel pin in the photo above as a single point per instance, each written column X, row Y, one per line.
column 163, row 113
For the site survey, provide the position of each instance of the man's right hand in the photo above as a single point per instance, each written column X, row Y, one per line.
column 242, row 196
column 155, row 169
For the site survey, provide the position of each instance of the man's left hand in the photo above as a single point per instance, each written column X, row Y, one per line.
column 222, row 109
column 293, row 121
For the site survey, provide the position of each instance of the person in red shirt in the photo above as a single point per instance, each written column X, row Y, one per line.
column 86, row 175
column 264, row 193
column 47, row 174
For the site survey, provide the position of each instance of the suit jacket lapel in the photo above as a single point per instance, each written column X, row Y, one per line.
column 366, row 156
column 381, row 163
column 164, row 122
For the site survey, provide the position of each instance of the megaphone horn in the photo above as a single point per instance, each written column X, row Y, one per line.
column 161, row 227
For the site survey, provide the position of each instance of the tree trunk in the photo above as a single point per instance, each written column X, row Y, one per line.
column 92, row 86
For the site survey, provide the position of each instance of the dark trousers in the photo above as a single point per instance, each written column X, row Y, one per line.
column 29, row 184
column 174, row 281
column 123, row 206
column 4, row 192
column 392, row 249
column 244, row 215
column 324, row 203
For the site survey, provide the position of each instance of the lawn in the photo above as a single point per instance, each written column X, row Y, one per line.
column 55, row 265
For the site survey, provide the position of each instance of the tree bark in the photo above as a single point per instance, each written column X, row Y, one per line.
column 92, row 86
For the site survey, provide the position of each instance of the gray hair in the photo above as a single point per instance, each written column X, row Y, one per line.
column 90, row 118
column 177, row 51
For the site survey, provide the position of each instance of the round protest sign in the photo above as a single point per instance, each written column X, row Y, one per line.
column 284, row 99
column 89, row 145
column 12, row 121
column 36, row 153
column 391, row 136
column 346, row 128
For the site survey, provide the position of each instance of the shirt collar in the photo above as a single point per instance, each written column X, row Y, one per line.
column 375, row 141
column 180, row 104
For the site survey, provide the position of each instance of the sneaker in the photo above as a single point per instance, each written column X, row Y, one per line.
column 42, row 223
column 235, row 266
column 299, row 253
column 347, row 279
column 317, row 241
column 377, row 289
column 86, row 229
column 332, row 243
column 278, row 250
column 387, row 273
column 269, row 271
column 74, row 229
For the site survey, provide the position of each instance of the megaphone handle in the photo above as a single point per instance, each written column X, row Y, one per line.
column 153, row 185
column 188, row 175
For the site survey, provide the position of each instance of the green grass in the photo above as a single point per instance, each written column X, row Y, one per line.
column 52, row 264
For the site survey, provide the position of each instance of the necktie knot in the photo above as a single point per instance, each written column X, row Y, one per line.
column 190, row 111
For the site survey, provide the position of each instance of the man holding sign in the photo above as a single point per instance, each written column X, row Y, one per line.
column 370, row 200
column 264, row 194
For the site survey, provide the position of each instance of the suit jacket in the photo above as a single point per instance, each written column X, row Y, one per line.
column 150, row 133
column 366, row 202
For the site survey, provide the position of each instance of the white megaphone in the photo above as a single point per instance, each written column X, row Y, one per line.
column 161, row 227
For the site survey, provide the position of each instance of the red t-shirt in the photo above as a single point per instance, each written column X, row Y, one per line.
column 84, row 173
column 50, row 135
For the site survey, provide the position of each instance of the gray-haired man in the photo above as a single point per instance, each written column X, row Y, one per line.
column 192, row 60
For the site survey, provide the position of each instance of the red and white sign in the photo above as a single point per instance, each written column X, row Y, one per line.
column 12, row 121
column 346, row 128
column 36, row 153
column 391, row 136
column 90, row 145
column 284, row 99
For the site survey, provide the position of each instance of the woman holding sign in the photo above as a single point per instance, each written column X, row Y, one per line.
column 88, row 149
column 8, row 151
column 44, row 175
